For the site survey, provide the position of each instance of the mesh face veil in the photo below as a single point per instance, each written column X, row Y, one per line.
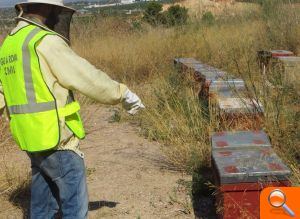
column 58, row 20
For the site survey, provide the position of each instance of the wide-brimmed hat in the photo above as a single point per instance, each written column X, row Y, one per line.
column 48, row 2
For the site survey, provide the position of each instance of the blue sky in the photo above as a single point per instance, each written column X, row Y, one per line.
column 7, row 3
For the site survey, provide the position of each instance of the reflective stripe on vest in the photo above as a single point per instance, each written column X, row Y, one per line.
column 32, row 106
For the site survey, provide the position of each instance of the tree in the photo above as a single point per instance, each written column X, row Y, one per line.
column 152, row 13
column 176, row 15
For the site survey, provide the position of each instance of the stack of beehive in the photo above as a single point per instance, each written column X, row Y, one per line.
column 228, row 98
column 243, row 161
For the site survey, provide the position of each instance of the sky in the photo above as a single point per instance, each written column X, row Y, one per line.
column 11, row 3
column 7, row 3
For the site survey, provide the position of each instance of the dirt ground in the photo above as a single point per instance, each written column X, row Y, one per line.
column 127, row 175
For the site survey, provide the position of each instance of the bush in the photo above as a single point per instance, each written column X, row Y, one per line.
column 152, row 14
column 208, row 18
column 176, row 15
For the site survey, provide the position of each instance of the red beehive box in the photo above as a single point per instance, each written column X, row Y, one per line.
column 264, row 56
column 278, row 53
column 231, row 105
column 239, row 140
column 241, row 174
column 239, row 105
column 236, row 113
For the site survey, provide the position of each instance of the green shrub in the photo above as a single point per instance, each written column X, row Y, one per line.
column 152, row 14
column 208, row 18
column 176, row 15
column 136, row 25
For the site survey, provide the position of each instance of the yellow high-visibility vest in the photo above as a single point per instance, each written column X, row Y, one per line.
column 34, row 116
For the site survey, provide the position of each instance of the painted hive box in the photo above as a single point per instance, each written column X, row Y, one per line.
column 249, row 165
column 239, row 140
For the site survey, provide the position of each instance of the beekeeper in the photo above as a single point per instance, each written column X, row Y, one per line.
column 38, row 72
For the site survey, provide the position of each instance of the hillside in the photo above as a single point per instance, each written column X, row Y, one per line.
column 229, row 7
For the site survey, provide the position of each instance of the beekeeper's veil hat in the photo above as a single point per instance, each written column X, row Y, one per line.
column 58, row 19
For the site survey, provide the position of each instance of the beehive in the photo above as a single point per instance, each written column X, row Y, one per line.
column 241, row 174
column 239, row 140
column 290, row 70
column 234, row 113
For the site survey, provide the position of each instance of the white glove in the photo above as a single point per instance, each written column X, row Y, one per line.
column 132, row 103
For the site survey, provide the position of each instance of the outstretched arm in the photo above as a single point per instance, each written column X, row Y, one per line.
column 76, row 73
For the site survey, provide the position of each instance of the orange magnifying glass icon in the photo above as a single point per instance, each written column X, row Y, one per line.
column 277, row 199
